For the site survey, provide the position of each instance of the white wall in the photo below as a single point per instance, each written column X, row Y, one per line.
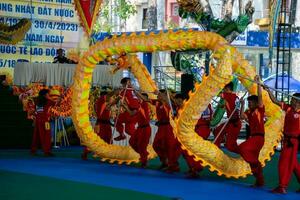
column 134, row 23
column 297, row 21
column 295, row 65
column 160, row 14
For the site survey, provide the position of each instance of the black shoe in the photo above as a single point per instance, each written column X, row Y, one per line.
column 120, row 137
column 143, row 165
column 192, row 175
column 172, row 170
column 279, row 190
column 162, row 166
column 259, row 183
column 84, row 156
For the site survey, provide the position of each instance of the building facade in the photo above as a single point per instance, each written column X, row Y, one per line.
column 256, row 51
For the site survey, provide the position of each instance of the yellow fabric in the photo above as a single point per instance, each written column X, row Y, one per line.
column 229, row 61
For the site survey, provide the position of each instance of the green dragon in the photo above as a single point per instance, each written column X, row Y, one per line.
column 200, row 12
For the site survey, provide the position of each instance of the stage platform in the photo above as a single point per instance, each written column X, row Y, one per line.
column 121, row 182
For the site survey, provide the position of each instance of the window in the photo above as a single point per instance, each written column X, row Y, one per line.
column 175, row 9
column 144, row 19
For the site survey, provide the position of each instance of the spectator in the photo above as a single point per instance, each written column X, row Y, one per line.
column 60, row 58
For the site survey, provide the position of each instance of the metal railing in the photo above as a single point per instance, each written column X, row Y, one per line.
column 167, row 77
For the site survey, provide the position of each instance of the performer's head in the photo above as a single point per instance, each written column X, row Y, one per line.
column 44, row 93
column 295, row 103
column 145, row 95
column 228, row 87
column 104, row 96
column 179, row 99
column 43, row 97
column 252, row 102
column 2, row 78
column 103, row 93
column 126, row 82
column 161, row 95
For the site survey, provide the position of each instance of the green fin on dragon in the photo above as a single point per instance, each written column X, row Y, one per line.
column 201, row 12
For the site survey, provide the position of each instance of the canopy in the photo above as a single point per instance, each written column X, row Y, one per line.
column 294, row 84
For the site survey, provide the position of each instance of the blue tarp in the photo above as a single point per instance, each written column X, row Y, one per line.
column 261, row 39
column 294, row 84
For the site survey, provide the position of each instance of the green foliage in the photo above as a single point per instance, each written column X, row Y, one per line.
column 102, row 23
column 124, row 10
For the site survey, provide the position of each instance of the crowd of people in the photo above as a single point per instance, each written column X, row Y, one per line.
column 133, row 120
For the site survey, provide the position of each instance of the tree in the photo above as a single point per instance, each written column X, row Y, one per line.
column 122, row 9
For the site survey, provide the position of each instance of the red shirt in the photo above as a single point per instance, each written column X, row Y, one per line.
column 42, row 112
column 143, row 115
column 130, row 98
column 102, row 112
column 256, row 120
column 206, row 116
column 231, row 102
column 162, row 111
column 291, row 120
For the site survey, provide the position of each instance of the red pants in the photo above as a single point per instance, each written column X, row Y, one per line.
column 249, row 150
column 288, row 162
column 129, row 121
column 160, row 144
column 204, row 132
column 232, row 131
column 140, row 140
column 41, row 136
column 105, row 132
column 167, row 147
column 174, row 150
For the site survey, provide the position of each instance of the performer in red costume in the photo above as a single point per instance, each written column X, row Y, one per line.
column 103, row 117
column 234, row 125
column 128, row 96
column 103, row 121
column 177, row 102
column 202, row 129
column 250, row 149
column 165, row 144
column 288, row 162
column 140, row 139
column 174, row 145
column 42, row 134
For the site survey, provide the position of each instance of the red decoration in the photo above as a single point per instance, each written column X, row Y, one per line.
column 87, row 11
